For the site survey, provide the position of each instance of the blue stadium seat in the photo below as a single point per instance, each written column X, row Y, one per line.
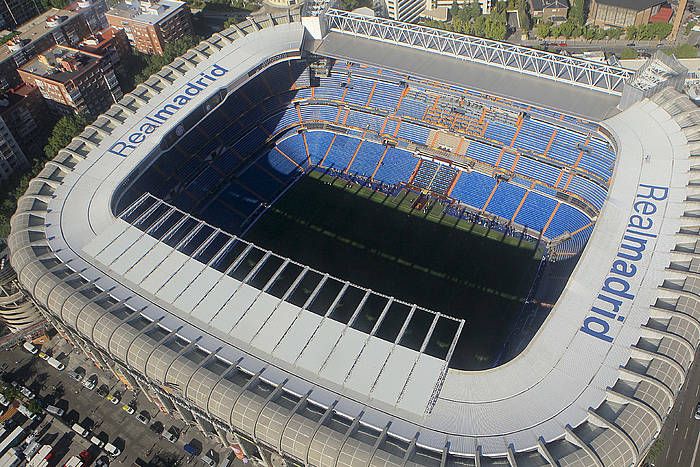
column 397, row 166
column 414, row 133
column 533, row 136
column 473, row 189
column 426, row 173
column 566, row 219
column 386, row 96
column 483, row 152
column 318, row 142
column 293, row 147
column 505, row 200
column 367, row 159
column 535, row 211
column 500, row 132
column 341, row 152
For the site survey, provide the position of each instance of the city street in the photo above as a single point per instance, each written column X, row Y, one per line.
column 107, row 421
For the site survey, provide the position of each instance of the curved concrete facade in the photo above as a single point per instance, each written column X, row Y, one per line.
column 16, row 311
column 592, row 388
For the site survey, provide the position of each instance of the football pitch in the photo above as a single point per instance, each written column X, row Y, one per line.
column 416, row 255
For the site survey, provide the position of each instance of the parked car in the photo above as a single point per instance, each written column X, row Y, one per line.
column 85, row 456
column 103, row 390
column 128, row 409
column 114, row 398
column 81, row 430
column 112, row 450
column 697, row 412
column 56, row 364
column 172, row 434
column 157, row 427
column 26, row 392
column 209, row 458
column 91, row 382
column 97, row 442
column 191, row 449
column 53, row 410
column 31, row 348
column 143, row 418
column 76, row 376
column 44, row 356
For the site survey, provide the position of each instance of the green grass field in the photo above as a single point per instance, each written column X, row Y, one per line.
column 378, row 242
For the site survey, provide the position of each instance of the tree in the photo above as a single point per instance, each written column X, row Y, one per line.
column 454, row 9
column 576, row 13
column 615, row 33
column 63, row 132
column 350, row 5
column 151, row 64
column 34, row 406
column 10, row 392
column 10, row 191
column 655, row 449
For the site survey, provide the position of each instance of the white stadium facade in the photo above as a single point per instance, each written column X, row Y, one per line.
column 594, row 385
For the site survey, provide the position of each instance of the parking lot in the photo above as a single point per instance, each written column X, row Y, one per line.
column 107, row 421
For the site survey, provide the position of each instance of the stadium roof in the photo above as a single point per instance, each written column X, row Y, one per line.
column 564, row 97
column 591, row 387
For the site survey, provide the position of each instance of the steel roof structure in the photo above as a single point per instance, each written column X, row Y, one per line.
column 570, row 70
column 592, row 388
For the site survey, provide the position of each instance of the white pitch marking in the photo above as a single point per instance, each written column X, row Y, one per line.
column 680, row 453
column 686, row 433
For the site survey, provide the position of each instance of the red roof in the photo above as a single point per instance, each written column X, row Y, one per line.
column 663, row 15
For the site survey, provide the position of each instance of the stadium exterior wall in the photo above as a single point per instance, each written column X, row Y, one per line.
column 637, row 376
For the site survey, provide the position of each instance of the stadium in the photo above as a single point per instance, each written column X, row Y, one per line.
column 330, row 239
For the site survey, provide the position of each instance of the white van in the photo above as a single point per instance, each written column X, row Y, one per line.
column 112, row 450
column 80, row 430
column 31, row 348
column 53, row 410
column 97, row 442
column 56, row 364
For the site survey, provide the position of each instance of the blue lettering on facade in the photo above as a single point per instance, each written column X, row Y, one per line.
column 125, row 146
column 616, row 290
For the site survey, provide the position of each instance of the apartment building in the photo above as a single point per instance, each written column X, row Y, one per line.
column 150, row 25
column 12, row 158
column 110, row 43
column 25, row 113
column 73, row 81
column 41, row 33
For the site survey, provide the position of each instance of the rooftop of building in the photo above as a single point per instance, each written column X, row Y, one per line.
column 95, row 43
column 60, row 63
column 636, row 5
column 35, row 29
column 14, row 96
column 149, row 12
column 538, row 5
